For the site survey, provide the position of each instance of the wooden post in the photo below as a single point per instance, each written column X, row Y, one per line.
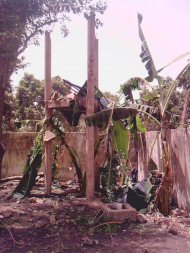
column 90, row 110
column 47, row 96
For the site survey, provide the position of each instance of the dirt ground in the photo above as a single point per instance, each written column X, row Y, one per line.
column 55, row 225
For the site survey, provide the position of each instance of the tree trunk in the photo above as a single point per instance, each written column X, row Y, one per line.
column 5, row 72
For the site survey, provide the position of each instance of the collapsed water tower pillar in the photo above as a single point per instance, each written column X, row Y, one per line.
column 96, row 84
column 47, row 96
column 90, row 110
column 96, row 129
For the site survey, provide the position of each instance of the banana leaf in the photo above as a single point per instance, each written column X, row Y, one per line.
column 121, row 136
column 102, row 118
column 140, row 126
column 31, row 168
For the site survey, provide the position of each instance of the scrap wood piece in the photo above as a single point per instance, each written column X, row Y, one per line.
column 6, row 179
column 52, row 104
column 49, row 136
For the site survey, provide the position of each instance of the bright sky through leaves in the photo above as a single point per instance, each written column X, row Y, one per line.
column 166, row 28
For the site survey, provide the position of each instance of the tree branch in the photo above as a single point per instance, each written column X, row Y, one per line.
column 32, row 34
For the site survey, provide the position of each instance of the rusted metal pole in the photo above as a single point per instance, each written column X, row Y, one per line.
column 90, row 110
column 47, row 96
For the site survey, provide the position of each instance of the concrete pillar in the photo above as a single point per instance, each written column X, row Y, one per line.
column 47, row 96
column 90, row 110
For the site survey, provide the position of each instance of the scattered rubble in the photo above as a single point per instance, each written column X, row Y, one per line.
column 54, row 224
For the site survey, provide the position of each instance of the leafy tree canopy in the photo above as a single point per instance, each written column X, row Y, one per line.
column 9, row 110
column 112, row 97
column 30, row 97
column 21, row 23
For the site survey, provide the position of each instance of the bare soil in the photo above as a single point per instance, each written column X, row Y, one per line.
column 55, row 225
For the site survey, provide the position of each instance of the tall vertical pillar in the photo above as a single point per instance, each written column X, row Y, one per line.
column 96, row 130
column 47, row 96
column 90, row 110
column 96, row 48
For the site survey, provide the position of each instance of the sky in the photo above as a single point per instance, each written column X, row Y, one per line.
column 166, row 28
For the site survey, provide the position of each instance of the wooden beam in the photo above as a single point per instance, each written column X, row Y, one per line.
column 47, row 96
column 53, row 104
column 90, row 110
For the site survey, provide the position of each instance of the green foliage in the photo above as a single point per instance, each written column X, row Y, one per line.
column 31, row 168
column 140, row 125
column 30, row 99
column 173, row 99
column 9, row 110
column 35, row 152
column 121, row 137
column 23, row 21
column 34, row 161
column 109, row 178
column 111, row 96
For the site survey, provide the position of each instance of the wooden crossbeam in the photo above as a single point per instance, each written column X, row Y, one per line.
column 53, row 104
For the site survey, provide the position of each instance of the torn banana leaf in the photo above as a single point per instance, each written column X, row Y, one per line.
column 102, row 118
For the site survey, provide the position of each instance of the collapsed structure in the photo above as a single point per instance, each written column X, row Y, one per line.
column 90, row 101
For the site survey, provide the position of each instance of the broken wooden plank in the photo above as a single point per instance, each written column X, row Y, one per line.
column 53, row 104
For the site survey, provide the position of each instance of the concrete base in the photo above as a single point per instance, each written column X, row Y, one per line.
column 120, row 212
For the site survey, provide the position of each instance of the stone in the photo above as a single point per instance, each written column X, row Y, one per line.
column 52, row 219
column 141, row 218
column 32, row 200
column 172, row 231
column 89, row 242
column 40, row 224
